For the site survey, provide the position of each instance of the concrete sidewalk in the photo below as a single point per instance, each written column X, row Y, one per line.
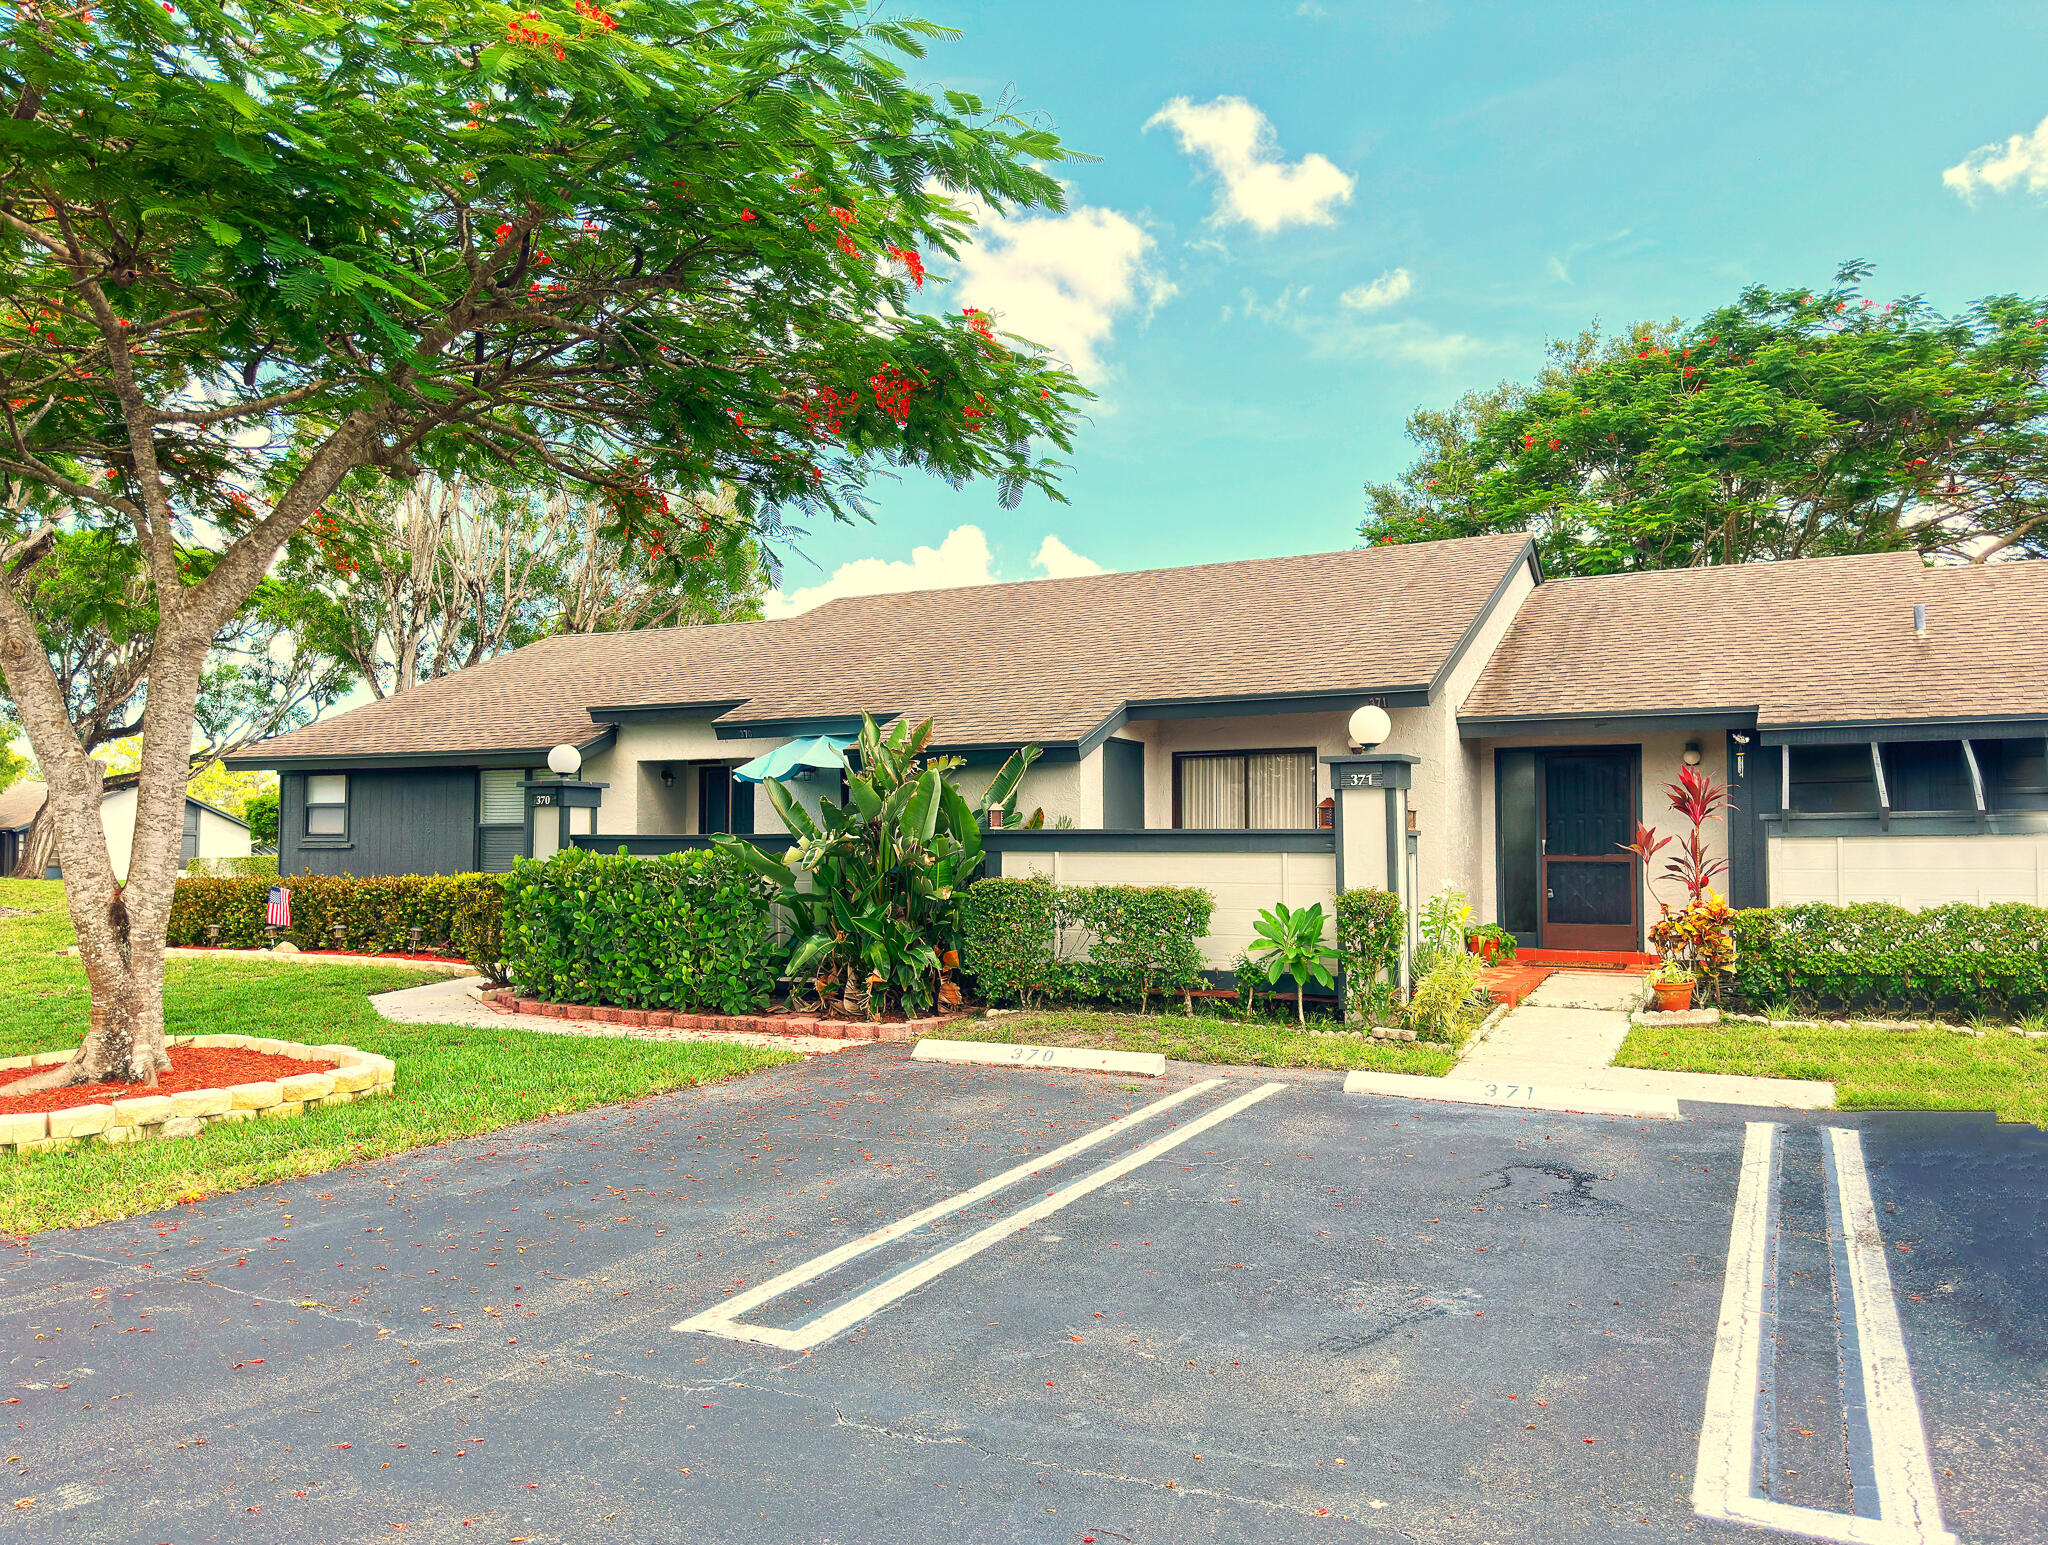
column 1565, row 1035
column 456, row 1002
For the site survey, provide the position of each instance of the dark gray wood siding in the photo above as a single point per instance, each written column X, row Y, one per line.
column 1123, row 785
column 418, row 820
column 1753, row 794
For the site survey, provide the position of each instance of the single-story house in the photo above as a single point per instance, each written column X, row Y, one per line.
column 210, row 832
column 1881, row 723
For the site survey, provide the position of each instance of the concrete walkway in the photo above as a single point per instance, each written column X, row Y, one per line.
column 1565, row 1035
column 456, row 1002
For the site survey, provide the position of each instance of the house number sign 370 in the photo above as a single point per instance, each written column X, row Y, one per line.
column 543, row 799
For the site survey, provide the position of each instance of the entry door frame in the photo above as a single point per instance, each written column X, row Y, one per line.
column 1545, row 935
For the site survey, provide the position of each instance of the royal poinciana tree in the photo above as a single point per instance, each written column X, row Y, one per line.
column 252, row 254
column 1788, row 424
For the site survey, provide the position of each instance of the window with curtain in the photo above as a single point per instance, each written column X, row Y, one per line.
column 1245, row 790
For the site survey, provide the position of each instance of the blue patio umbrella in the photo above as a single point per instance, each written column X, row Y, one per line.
column 795, row 758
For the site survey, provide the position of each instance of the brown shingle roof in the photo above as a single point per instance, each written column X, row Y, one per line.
column 1046, row 660
column 19, row 802
column 1821, row 641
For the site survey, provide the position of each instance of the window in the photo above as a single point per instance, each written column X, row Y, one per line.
column 1244, row 790
column 1833, row 780
column 327, row 806
column 1927, row 775
column 503, row 800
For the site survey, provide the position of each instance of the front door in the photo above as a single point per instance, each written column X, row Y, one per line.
column 1589, row 882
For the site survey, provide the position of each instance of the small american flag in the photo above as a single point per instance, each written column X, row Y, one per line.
column 277, row 912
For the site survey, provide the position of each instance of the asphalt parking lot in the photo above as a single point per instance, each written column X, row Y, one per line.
column 1311, row 1317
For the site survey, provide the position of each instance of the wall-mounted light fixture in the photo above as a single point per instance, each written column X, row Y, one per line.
column 668, row 777
column 1741, row 744
column 1692, row 753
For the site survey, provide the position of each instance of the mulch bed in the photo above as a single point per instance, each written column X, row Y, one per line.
column 192, row 1067
column 238, row 949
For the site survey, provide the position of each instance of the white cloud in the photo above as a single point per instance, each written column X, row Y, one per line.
column 1383, row 291
column 963, row 558
column 1344, row 334
column 2023, row 157
column 1061, row 280
column 1259, row 188
column 1060, row 561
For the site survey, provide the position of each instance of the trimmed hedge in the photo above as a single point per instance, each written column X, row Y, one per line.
column 1142, row 939
column 458, row 914
column 692, row 931
column 1369, row 930
column 1958, row 959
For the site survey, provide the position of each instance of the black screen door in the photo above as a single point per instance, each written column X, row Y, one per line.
column 1589, row 883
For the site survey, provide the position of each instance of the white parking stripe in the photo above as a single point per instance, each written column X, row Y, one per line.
column 1724, row 1482
column 722, row 1319
column 1898, row 1438
column 774, row 1287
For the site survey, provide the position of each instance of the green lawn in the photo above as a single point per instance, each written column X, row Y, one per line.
column 1871, row 1069
column 1203, row 1038
column 453, row 1081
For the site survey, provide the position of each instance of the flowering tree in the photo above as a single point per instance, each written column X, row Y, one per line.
column 1788, row 424
column 254, row 257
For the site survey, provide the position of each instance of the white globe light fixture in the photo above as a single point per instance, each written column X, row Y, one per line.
column 1369, row 726
column 565, row 761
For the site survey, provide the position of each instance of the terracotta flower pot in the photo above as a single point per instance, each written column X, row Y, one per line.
column 1672, row 997
column 1484, row 948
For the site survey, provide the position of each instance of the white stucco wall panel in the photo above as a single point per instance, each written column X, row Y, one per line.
column 1244, row 884
column 1911, row 871
column 221, row 838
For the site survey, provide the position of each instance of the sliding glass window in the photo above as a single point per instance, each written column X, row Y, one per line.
column 1244, row 790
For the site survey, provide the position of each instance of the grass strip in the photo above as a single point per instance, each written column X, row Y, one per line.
column 1203, row 1038
column 1871, row 1068
column 454, row 1081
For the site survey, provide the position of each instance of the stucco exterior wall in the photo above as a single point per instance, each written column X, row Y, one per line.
column 1244, row 884
column 635, row 802
column 221, row 838
column 117, row 816
column 1060, row 789
column 1912, row 871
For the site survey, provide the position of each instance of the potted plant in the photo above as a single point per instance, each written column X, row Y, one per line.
column 1491, row 943
column 1672, row 985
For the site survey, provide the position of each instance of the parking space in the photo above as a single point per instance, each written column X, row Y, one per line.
column 1261, row 1310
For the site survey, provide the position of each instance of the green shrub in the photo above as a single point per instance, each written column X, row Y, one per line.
column 692, row 931
column 1960, row 960
column 456, row 914
column 1436, row 1010
column 250, row 867
column 1009, row 932
column 1369, row 931
column 1140, row 940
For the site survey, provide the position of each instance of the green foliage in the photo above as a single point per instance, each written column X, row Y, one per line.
column 1956, row 960
column 1291, row 944
column 457, row 914
column 1140, row 940
column 1786, row 424
column 873, row 888
column 261, row 813
column 1370, row 928
column 640, row 257
column 1444, row 924
column 1502, row 940
column 1437, row 1009
column 1009, row 931
column 691, row 931
column 249, row 867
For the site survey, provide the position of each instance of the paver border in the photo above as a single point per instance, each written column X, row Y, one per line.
column 510, row 1000
column 189, row 1111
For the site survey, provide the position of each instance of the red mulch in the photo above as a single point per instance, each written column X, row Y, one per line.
column 192, row 1067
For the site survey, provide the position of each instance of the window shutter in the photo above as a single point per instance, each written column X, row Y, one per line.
column 504, row 801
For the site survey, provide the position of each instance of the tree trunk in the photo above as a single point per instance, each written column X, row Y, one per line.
column 1300, row 1008
column 121, row 927
column 39, row 847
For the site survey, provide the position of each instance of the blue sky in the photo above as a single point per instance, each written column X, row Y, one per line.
column 1476, row 178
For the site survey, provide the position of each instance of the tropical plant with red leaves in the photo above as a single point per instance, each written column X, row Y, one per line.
column 1696, row 936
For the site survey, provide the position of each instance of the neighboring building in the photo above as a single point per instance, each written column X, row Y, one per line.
column 209, row 832
column 1195, row 728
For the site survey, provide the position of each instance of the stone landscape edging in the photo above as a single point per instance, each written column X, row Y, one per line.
column 188, row 1111
column 509, row 1000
